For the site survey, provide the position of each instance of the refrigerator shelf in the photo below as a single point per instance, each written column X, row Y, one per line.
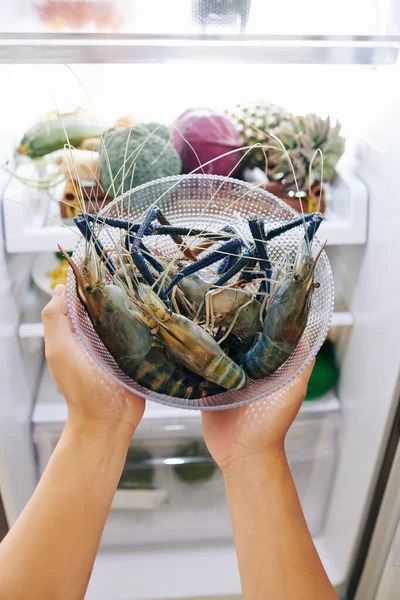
column 32, row 222
column 50, row 410
column 158, row 48
column 34, row 299
column 35, row 330
column 139, row 499
column 342, row 319
column 187, row 510
column 178, row 511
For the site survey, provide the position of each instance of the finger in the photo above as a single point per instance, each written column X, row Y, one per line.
column 61, row 292
column 297, row 389
column 64, row 307
column 306, row 374
column 57, row 330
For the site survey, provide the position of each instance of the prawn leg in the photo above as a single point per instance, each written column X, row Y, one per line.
column 258, row 232
column 87, row 231
column 246, row 259
column 233, row 246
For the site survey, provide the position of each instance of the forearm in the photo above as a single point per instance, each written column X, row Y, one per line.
column 50, row 551
column 277, row 558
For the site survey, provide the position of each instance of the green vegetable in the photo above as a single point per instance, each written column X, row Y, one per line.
column 138, row 471
column 147, row 153
column 60, row 255
column 325, row 373
column 198, row 470
column 54, row 131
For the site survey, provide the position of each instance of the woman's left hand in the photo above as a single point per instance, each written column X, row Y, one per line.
column 93, row 398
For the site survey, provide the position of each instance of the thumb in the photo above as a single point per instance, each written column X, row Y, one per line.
column 56, row 325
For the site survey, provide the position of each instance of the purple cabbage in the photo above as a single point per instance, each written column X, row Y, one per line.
column 210, row 134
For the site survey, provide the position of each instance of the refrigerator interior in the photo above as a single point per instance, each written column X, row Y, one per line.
column 337, row 441
column 192, row 509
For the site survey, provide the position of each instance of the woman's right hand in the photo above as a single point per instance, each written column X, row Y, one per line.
column 254, row 431
column 276, row 555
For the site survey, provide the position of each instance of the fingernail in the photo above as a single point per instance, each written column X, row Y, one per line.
column 59, row 290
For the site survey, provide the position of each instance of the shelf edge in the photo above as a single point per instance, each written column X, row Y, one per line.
column 97, row 49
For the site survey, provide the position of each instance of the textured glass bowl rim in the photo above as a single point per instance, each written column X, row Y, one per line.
column 161, row 398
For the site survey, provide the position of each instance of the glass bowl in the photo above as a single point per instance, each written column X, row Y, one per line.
column 211, row 202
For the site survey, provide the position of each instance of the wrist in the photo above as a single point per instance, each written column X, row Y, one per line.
column 254, row 467
column 101, row 429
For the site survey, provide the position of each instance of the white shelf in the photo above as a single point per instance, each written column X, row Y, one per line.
column 148, row 48
column 50, row 407
column 35, row 330
column 342, row 319
column 30, row 330
column 31, row 218
column 43, row 239
column 29, row 229
column 139, row 499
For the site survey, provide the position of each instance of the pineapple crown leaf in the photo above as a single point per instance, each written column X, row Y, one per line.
column 301, row 136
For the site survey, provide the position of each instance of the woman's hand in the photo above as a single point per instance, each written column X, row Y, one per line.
column 50, row 550
column 276, row 555
column 254, row 431
column 92, row 397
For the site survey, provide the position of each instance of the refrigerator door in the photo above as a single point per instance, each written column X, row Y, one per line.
column 380, row 578
column 389, row 584
column 17, row 465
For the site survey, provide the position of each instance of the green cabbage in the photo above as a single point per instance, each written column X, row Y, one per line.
column 147, row 152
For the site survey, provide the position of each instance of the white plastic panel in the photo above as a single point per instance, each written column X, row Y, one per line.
column 32, row 221
column 369, row 384
column 341, row 318
column 17, row 469
column 380, row 579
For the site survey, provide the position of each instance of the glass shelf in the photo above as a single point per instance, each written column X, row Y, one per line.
column 119, row 31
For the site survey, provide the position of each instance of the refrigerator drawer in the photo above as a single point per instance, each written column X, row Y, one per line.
column 172, row 491
column 197, row 511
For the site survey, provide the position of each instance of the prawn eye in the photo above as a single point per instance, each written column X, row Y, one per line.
column 316, row 285
column 297, row 278
column 89, row 289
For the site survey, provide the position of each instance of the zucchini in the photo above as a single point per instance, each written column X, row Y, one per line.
column 53, row 132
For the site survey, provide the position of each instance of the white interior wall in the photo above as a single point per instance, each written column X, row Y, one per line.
column 369, row 384
column 351, row 93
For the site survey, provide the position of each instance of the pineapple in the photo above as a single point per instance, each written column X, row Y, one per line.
column 253, row 122
column 301, row 136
